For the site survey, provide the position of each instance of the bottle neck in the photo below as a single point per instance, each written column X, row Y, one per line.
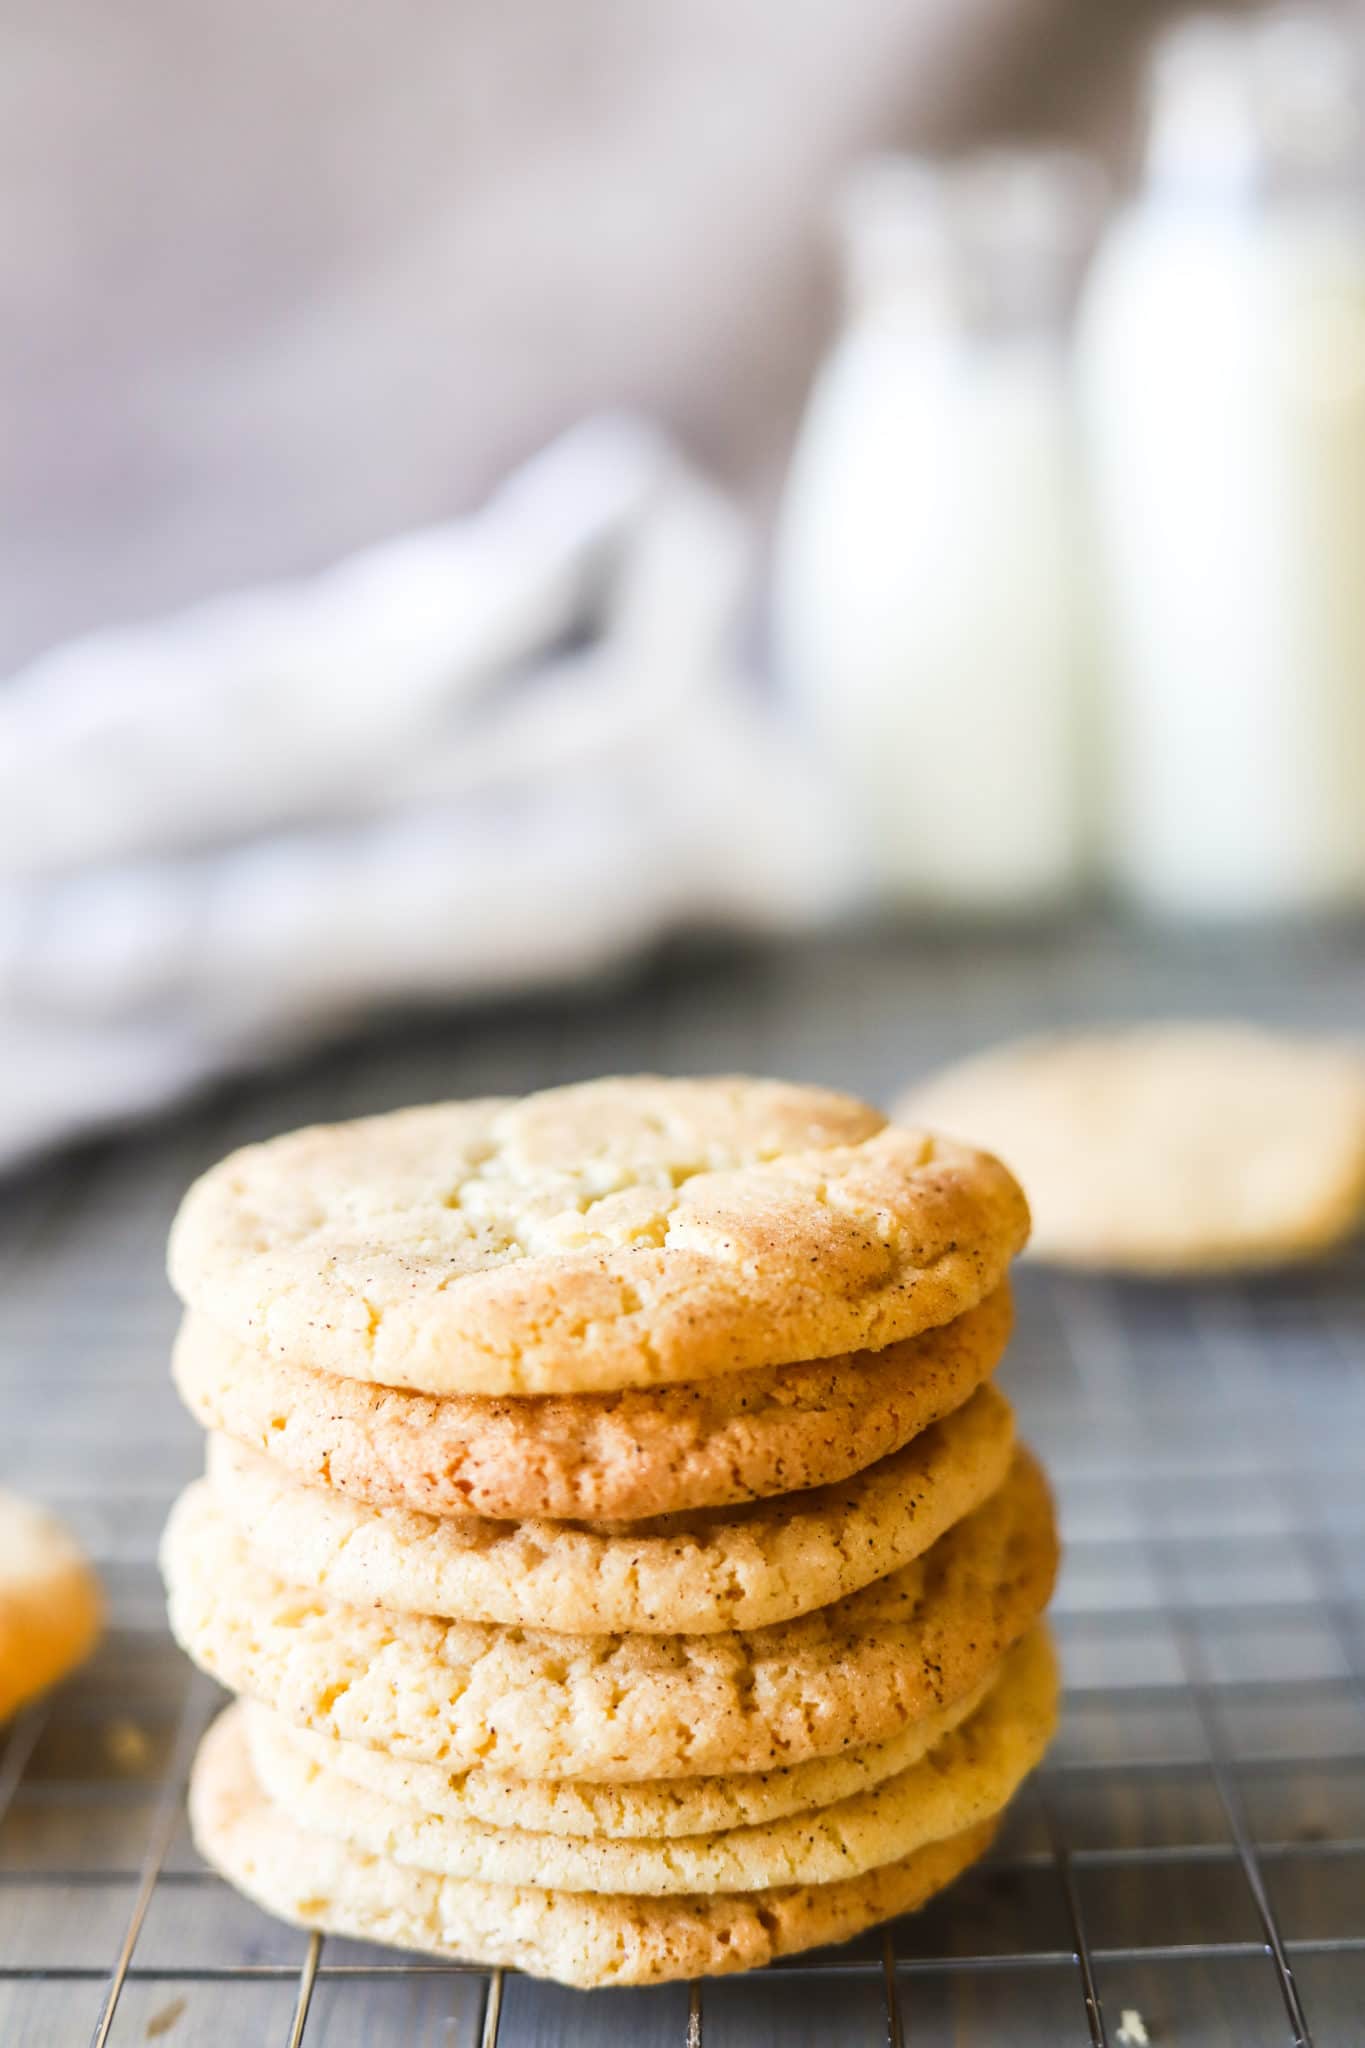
column 1255, row 111
column 986, row 248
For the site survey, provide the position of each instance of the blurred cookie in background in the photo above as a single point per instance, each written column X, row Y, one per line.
column 1168, row 1148
column 50, row 1604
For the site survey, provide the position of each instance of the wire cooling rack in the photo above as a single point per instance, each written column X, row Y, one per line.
column 1189, row 1866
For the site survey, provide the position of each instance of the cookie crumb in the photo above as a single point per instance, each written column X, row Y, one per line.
column 1132, row 2031
column 128, row 1746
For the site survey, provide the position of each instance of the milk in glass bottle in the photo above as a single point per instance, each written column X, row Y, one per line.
column 1222, row 360
column 930, row 596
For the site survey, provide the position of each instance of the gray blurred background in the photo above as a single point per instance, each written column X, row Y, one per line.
column 278, row 281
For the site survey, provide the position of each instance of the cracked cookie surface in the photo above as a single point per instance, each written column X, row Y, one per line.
column 628, row 1707
column 618, row 1233
column 612, row 1457
column 969, row 1775
column 699, row 1573
column 577, row 1938
column 658, row 1810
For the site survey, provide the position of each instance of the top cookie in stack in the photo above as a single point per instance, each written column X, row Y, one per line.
column 610, row 1521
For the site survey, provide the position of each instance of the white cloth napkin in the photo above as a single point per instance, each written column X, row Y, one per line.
column 490, row 755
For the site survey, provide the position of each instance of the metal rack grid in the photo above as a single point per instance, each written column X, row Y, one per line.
column 1194, row 1851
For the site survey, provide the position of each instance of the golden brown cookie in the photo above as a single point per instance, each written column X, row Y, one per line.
column 574, row 1937
column 1169, row 1148
column 968, row 1777
column 51, row 1608
column 617, row 1707
column 618, row 1233
column 591, row 1457
column 658, row 1811
column 694, row 1574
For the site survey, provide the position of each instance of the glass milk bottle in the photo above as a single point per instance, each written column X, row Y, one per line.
column 930, row 603
column 1222, row 361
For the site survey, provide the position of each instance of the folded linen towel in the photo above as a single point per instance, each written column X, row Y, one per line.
column 487, row 756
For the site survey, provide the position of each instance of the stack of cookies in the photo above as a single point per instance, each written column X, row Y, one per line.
column 624, row 1560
